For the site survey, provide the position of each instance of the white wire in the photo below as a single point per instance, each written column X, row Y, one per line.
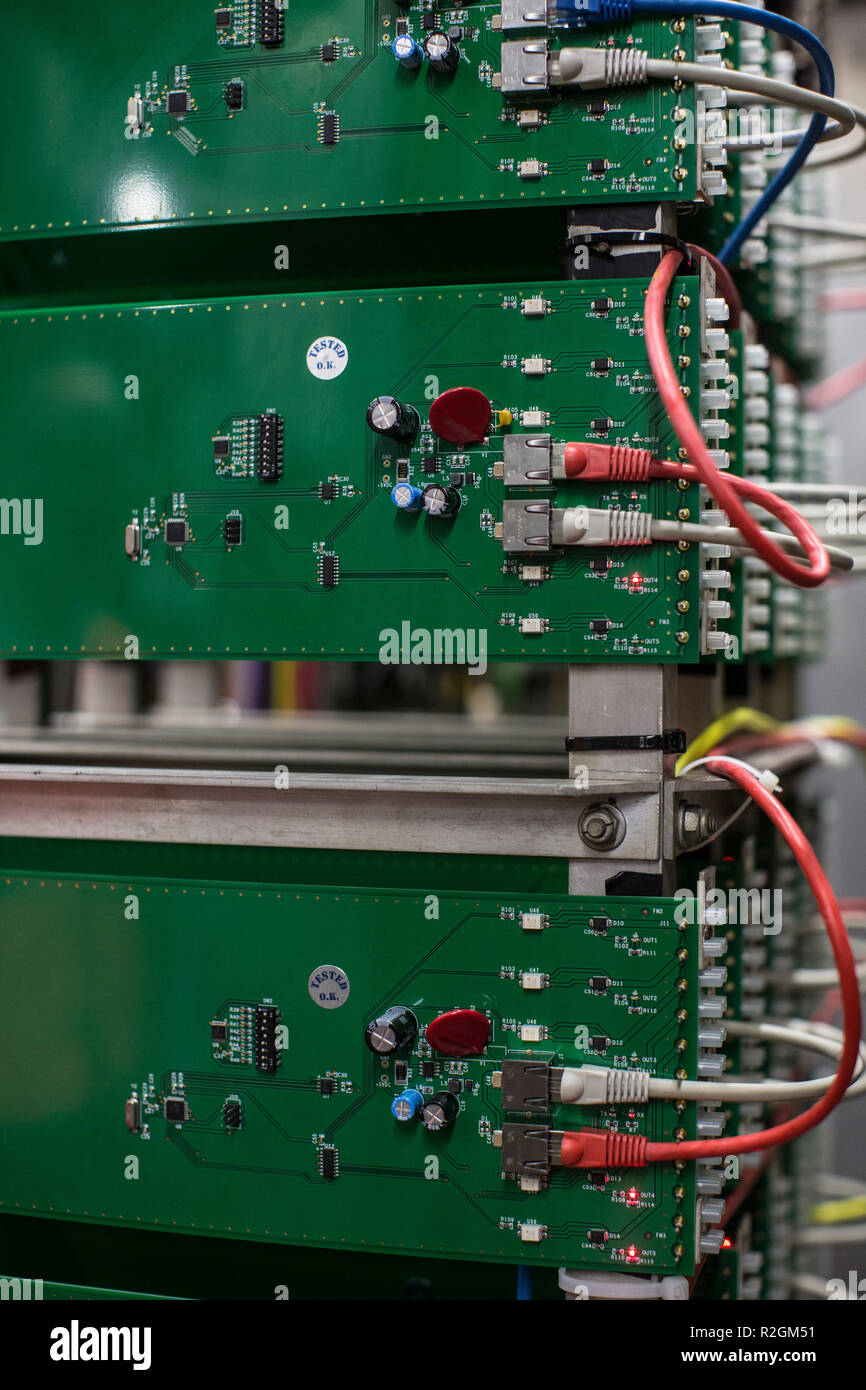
column 767, row 88
column 698, row 532
column 832, row 1235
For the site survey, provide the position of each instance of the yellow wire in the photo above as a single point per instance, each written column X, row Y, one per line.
column 832, row 1213
column 738, row 720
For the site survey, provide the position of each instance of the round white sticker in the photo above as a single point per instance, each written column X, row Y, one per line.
column 328, row 986
column 327, row 358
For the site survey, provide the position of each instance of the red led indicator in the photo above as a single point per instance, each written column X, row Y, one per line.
column 632, row 1197
column 727, row 1243
column 631, row 1255
column 635, row 580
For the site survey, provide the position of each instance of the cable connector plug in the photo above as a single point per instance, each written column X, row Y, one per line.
column 602, row 1148
column 590, row 68
column 590, row 1085
column 597, row 462
column 595, row 526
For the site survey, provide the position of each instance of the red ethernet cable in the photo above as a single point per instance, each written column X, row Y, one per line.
column 689, row 434
column 604, row 1148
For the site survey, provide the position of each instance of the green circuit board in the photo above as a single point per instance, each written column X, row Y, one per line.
column 200, row 1077
column 205, row 489
column 177, row 111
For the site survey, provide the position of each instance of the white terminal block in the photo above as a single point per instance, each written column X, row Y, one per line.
column 712, row 97
column 756, row 382
column 756, row 460
column 718, row 641
column 716, row 579
column 715, row 399
column 756, row 357
column 718, row 611
column 717, row 340
column 709, row 38
column 715, row 369
column 714, row 428
column 717, row 310
column 756, row 408
column 720, row 457
column 715, row 185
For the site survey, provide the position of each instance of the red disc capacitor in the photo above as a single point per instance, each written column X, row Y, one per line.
column 461, row 415
column 459, row 1033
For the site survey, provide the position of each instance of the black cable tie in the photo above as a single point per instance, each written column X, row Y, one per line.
column 671, row 741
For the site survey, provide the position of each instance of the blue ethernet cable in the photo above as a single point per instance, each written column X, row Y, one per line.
column 619, row 11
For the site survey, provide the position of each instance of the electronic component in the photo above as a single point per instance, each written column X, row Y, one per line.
column 271, row 23
column 218, row 1030
column 222, row 446
column 440, row 501
column 601, row 364
column 132, row 540
column 461, row 415
column 401, row 1073
column 402, row 469
column 329, row 1162
column 599, row 1042
column 175, row 1109
column 394, row 419
column 328, row 491
column 531, row 169
column 269, row 456
column 328, row 570
column 534, row 921
column 601, row 425
column 329, row 128
column 177, row 102
column 531, row 1032
column 406, row 497
column 133, row 1114
column 408, row 53
column 533, row 627
column 601, row 306
column 532, row 979
column 533, row 574
column 407, row 1105
column 597, row 166
column 232, row 1113
column 459, row 1033
column 266, row 1023
column 393, row 1031
column 233, row 530
column 329, row 52
column 440, row 1111
column 175, row 530
column 599, row 925
column 443, row 54
column 530, row 119
column 600, row 625
column 326, row 1085
column 534, row 366
column 223, row 18
column 598, row 984
column 233, row 92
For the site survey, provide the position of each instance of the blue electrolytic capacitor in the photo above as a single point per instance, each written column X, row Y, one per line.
column 406, row 497
column 407, row 1105
column 408, row 53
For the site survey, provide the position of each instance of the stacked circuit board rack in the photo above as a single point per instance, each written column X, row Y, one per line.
column 364, row 333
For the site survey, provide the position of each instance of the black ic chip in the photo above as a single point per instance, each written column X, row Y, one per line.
column 329, row 52
column 597, row 166
column 232, row 1114
column 329, row 571
column 601, row 564
column 329, row 1162
column 602, row 425
column 596, row 108
column 175, row 1109
column 218, row 1030
column 599, row 625
column 329, row 128
column 599, row 1042
column 271, row 23
column 269, row 462
column 327, row 491
column 221, row 446
column 177, row 103
column 598, row 984
column 176, row 531
column 223, row 19
column 601, row 364
column 326, row 1085
column 599, row 925
column 601, row 306
column 428, row 1069
column 597, row 1235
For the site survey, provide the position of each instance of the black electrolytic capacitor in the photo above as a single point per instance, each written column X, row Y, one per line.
column 442, row 52
column 393, row 418
column 440, row 1111
column 438, row 500
column 393, row 1031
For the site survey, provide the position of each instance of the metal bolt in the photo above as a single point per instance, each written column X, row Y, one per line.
column 683, row 576
column 601, row 826
column 682, row 638
column 683, row 605
column 695, row 824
